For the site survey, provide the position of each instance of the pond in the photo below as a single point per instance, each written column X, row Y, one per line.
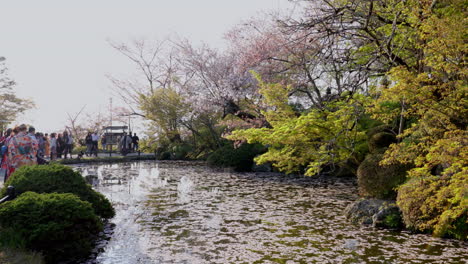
column 182, row 212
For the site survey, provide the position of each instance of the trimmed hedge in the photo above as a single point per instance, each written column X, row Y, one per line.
column 60, row 226
column 379, row 181
column 58, row 178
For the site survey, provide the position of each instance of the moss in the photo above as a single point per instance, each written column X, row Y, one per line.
column 376, row 181
column 58, row 179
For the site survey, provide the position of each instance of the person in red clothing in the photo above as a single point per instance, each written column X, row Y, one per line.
column 22, row 150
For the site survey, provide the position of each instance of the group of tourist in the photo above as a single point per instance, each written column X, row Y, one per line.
column 23, row 146
column 127, row 143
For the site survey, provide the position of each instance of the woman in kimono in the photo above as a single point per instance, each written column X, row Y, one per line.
column 22, row 149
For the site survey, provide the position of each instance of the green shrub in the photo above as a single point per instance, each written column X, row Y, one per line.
column 164, row 156
column 180, row 151
column 60, row 179
column 59, row 226
column 241, row 159
column 378, row 181
column 436, row 204
column 393, row 220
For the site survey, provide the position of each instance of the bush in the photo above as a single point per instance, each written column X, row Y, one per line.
column 60, row 179
column 379, row 181
column 433, row 204
column 59, row 226
column 241, row 159
column 173, row 151
column 180, row 151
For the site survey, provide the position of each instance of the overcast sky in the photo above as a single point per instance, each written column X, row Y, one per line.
column 57, row 50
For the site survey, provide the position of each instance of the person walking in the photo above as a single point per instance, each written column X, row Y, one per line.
column 22, row 149
column 125, row 143
column 89, row 144
column 95, row 139
column 53, row 146
column 136, row 142
column 104, row 142
column 60, row 145
column 68, row 141
column 47, row 145
column 41, row 144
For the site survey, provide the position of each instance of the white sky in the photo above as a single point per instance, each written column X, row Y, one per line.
column 57, row 52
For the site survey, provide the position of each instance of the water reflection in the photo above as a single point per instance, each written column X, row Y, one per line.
column 181, row 213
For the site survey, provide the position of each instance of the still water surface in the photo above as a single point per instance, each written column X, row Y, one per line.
column 187, row 213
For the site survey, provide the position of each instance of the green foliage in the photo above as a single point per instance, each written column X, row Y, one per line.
column 60, row 226
column 320, row 137
column 393, row 220
column 431, row 92
column 59, row 179
column 379, row 181
column 436, row 204
column 241, row 158
column 180, row 151
column 165, row 107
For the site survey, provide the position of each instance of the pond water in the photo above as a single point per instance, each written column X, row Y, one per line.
column 187, row 213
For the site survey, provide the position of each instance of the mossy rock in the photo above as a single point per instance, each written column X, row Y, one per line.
column 60, row 226
column 380, row 141
column 378, row 181
column 58, row 178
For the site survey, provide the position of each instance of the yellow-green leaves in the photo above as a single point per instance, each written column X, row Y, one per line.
column 165, row 107
column 305, row 141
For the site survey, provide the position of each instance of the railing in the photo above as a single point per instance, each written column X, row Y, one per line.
column 11, row 194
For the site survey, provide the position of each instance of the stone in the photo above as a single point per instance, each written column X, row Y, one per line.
column 361, row 212
column 375, row 212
